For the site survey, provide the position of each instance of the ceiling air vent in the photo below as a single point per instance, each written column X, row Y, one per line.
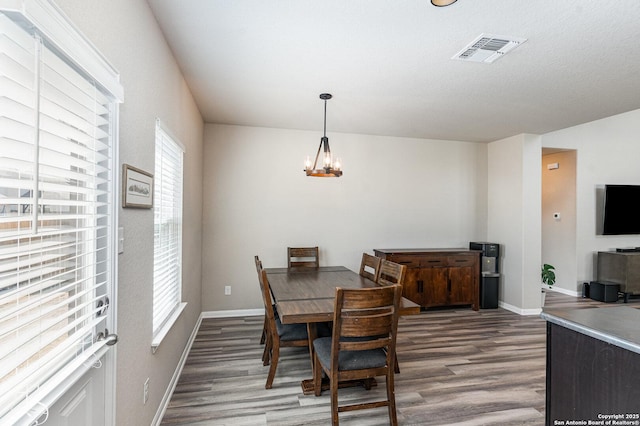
column 487, row 48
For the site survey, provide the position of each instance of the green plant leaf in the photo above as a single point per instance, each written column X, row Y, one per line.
column 548, row 275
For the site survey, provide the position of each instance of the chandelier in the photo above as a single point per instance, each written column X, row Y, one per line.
column 330, row 167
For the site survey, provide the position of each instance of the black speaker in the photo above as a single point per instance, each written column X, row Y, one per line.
column 585, row 290
column 603, row 291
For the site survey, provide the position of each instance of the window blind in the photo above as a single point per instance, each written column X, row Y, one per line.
column 167, row 254
column 56, row 208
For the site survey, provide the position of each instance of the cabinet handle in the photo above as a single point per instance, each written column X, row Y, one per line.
column 420, row 286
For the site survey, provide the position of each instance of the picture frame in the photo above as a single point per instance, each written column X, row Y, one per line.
column 137, row 188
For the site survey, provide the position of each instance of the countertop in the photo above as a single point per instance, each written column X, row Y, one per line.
column 619, row 326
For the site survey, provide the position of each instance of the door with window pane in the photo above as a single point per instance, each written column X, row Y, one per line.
column 57, row 221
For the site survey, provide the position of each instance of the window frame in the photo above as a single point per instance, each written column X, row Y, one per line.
column 162, row 325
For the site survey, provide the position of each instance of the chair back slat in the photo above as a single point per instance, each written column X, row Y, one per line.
column 391, row 273
column 366, row 328
column 365, row 313
column 370, row 266
column 306, row 257
column 365, row 345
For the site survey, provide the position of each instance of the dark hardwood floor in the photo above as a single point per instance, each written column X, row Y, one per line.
column 458, row 367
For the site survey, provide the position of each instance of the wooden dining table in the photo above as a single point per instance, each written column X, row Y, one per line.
column 306, row 295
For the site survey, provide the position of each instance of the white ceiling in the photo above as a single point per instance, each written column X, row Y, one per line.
column 388, row 64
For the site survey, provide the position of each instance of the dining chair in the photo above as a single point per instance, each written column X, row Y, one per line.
column 278, row 334
column 391, row 273
column 265, row 334
column 370, row 267
column 363, row 345
column 303, row 257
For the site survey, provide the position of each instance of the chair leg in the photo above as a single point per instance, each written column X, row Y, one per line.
column 266, row 354
column 367, row 383
column 391, row 397
column 263, row 338
column 335, row 421
column 317, row 376
column 312, row 333
column 275, row 353
column 396, row 367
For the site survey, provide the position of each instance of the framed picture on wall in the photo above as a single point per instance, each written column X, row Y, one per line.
column 137, row 188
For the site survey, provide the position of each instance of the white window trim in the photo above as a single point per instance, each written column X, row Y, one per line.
column 163, row 331
column 166, row 327
column 55, row 26
column 166, row 129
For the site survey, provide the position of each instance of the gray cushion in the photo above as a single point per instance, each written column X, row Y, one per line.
column 289, row 332
column 349, row 360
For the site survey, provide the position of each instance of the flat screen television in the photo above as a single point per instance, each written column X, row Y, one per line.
column 621, row 215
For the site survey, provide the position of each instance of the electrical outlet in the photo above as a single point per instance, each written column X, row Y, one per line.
column 145, row 396
column 227, row 290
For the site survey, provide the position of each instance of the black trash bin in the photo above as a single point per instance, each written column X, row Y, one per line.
column 489, row 284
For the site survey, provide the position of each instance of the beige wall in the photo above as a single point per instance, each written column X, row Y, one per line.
column 126, row 33
column 607, row 153
column 395, row 192
column 514, row 218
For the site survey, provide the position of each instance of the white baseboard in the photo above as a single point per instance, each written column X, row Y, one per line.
column 157, row 419
column 518, row 310
column 557, row 289
column 537, row 311
column 233, row 313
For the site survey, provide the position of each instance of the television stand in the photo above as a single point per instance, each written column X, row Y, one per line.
column 620, row 268
column 628, row 250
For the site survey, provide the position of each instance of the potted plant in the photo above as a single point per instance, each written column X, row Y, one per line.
column 548, row 276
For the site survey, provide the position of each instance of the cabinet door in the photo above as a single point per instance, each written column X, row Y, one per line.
column 413, row 285
column 461, row 285
column 435, row 286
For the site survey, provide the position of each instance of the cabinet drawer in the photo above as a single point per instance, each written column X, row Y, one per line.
column 408, row 261
column 433, row 261
column 461, row 261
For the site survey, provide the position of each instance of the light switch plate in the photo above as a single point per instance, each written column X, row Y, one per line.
column 120, row 240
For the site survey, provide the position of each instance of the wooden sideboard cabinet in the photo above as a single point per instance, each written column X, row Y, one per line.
column 620, row 268
column 438, row 277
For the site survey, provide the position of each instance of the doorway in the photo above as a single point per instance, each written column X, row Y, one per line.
column 559, row 216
